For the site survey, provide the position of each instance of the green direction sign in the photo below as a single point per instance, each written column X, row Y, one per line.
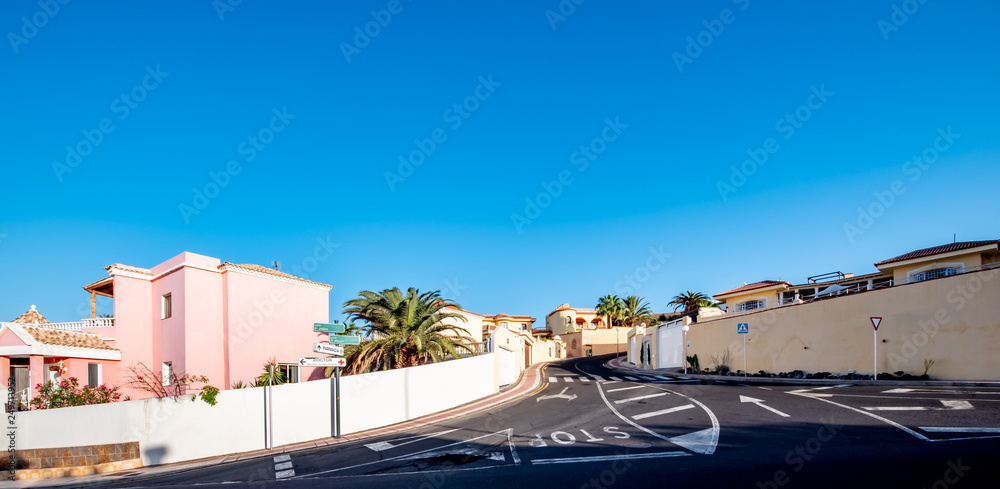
column 328, row 328
column 336, row 339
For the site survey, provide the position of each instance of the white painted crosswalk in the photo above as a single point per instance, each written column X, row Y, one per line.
column 283, row 467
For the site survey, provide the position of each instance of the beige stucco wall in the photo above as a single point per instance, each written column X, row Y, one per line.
column 472, row 326
column 603, row 341
column 771, row 296
column 969, row 260
column 954, row 321
column 546, row 350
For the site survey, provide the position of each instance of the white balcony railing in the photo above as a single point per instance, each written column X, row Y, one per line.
column 73, row 326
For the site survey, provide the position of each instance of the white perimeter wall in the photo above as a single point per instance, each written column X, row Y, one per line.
column 174, row 431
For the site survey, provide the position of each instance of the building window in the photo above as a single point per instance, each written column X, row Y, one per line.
column 504, row 324
column 290, row 371
column 750, row 305
column 165, row 306
column 524, row 327
column 93, row 374
column 569, row 320
column 168, row 373
column 935, row 273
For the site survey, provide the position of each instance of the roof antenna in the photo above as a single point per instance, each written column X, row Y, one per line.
column 954, row 237
column 276, row 264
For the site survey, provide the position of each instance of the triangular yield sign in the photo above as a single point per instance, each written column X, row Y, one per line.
column 876, row 321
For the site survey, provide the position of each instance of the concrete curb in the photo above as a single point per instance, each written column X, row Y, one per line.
column 623, row 366
column 530, row 380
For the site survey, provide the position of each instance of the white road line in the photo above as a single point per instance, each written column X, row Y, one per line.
column 866, row 413
column 568, row 379
column 386, row 445
column 663, row 411
column 584, row 379
column 553, row 380
column 616, row 379
column 765, row 388
column 634, row 379
column 949, row 405
column 896, row 408
column 628, row 388
column 283, row 466
column 958, row 429
column 621, row 401
column 607, row 458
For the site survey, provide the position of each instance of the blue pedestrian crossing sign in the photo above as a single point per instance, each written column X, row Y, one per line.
column 743, row 328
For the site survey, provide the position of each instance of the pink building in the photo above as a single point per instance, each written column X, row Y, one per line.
column 188, row 315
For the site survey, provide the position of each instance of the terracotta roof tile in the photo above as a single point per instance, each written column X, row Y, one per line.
column 129, row 268
column 961, row 245
column 754, row 286
column 58, row 337
column 269, row 271
column 31, row 317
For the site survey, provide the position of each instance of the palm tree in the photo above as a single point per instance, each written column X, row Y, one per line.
column 610, row 306
column 406, row 329
column 689, row 301
column 635, row 309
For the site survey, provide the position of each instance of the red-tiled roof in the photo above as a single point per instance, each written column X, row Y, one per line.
column 269, row 271
column 754, row 286
column 31, row 317
column 128, row 268
column 52, row 336
column 936, row 250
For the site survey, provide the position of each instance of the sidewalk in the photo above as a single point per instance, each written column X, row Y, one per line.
column 622, row 365
column 530, row 380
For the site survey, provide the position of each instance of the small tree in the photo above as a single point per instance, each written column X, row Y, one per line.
column 141, row 378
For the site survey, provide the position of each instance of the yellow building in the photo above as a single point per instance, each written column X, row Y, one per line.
column 567, row 319
column 915, row 266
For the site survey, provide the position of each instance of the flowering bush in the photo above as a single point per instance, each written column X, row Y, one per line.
column 68, row 393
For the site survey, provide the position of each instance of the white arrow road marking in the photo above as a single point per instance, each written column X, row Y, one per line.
column 760, row 402
column 959, row 429
column 639, row 398
column 386, row 445
column 663, row 411
column 819, row 397
column 948, row 406
column 561, row 395
column 608, row 458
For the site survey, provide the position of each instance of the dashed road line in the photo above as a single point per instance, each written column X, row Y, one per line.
column 616, row 379
column 663, row 411
column 283, row 467
column 627, row 388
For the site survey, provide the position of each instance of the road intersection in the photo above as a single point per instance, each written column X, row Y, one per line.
column 589, row 426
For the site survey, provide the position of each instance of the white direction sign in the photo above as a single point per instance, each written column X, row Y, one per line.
column 328, row 349
column 322, row 362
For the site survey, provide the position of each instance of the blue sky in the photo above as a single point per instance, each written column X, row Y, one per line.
column 844, row 95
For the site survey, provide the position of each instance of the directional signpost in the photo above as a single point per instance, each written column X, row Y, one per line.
column 335, row 347
column 322, row 362
column 328, row 349
column 329, row 328
column 744, row 329
column 875, row 322
column 338, row 339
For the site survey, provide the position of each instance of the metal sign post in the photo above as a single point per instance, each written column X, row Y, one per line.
column 875, row 323
column 336, row 429
column 744, row 329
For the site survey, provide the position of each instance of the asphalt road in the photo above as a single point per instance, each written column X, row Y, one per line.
column 592, row 427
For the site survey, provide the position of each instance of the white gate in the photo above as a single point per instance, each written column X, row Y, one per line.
column 670, row 346
column 508, row 366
